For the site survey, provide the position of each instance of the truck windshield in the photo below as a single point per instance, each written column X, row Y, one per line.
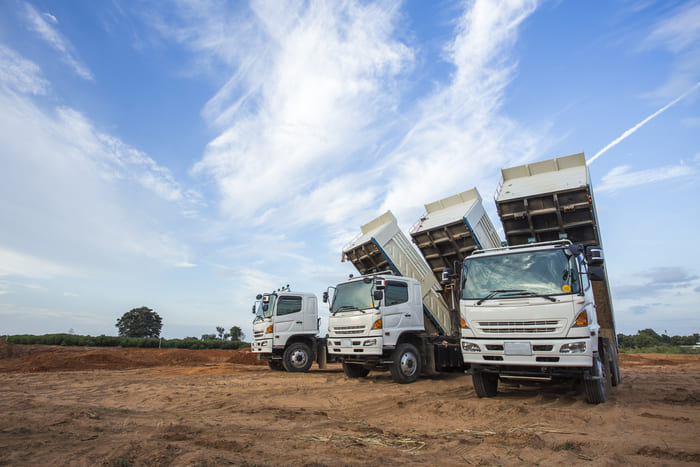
column 263, row 308
column 527, row 273
column 355, row 295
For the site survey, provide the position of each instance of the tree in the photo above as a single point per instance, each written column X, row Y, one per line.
column 236, row 334
column 140, row 322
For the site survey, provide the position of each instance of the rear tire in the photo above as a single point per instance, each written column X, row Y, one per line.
column 276, row 365
column 595, row 389
column 485, row 384
column 614, row 364
column 406, row 365
column 354, row 371
column 298, row 358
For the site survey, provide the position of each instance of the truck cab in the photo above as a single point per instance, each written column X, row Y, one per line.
column 285, row 328
column 530, row 314
column 377, row 322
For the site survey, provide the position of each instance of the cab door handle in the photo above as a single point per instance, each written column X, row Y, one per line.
column 300, row 322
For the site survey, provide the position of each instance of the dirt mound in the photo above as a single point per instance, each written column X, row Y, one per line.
column 656, row 359
column 33, row 358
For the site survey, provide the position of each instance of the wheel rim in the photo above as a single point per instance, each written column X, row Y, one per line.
column 408, row 364
column 299, row 358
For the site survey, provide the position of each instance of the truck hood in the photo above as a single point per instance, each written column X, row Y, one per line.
column 260, row 326
column 351, row 323
column 531, row 317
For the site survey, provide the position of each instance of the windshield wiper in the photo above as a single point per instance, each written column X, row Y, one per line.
column 493, row 293
column 533, row 294
column 348, row 307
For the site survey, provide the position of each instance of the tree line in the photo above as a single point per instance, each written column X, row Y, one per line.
column 650, row 338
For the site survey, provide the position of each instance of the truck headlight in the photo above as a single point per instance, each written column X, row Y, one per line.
column 470, row 347
column 574, row 347
column 369, row 342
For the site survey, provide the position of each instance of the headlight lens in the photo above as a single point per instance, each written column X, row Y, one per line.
column 574, row 347
column 369, row 342
column 470, row 347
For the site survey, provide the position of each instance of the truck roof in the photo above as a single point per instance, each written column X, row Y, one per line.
column 552, row 175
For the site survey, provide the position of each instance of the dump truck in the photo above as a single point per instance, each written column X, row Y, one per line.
column 451, row 229
column 394, row 316
column 285, row 330
column 539, row 309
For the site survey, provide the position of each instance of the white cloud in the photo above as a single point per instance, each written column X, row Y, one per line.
column 621, row 177
column 37, row 23
column 679, row 30
column 460, row 138
column 20, row 74
column 13, row 263
column 318, row 76
column 71, row 193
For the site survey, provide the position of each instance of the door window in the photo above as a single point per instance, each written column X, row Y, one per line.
column 395, row 293
column 288, row 305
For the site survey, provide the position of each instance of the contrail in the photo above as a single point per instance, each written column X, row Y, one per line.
column 627, row 133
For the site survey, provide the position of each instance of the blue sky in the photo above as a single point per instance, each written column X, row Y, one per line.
column 186, row 156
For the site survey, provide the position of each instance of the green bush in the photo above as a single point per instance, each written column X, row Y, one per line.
column 75, row 340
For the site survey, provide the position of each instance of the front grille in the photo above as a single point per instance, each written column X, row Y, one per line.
column 521, row 327
column 348, row 330
column 257, row 334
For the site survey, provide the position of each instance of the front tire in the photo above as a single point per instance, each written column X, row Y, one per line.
column 485, row 384
column 406, row 365
column 354, row 371
column 595, row 389
column 298, row 358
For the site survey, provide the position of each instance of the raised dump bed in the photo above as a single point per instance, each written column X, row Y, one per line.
column 552, row 200
column 548, row 200
column 451, row 229
column 383, row 246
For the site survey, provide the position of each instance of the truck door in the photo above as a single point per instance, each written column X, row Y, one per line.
column 398, row 310
column 289, row 319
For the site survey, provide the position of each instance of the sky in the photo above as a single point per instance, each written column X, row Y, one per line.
column 188, row 155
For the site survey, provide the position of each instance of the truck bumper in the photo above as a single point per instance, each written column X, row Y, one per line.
column 533, row 353
column 356, row 346
column 261, row 346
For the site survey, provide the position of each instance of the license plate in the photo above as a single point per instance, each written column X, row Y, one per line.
column 346, row 343
column 518, row 348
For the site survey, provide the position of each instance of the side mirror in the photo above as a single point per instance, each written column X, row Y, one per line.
column 258, row 296
column 266, row 307
column 594, row 256
column 378, row 295
column 446, row 275
column 325, row 297
column 596, row 273
column 253, row 309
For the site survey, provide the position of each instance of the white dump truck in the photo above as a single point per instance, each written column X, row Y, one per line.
column 395, row 316
column 285, row 330
column 539, row 309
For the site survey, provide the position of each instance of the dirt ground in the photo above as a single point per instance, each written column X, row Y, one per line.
column 114, row 406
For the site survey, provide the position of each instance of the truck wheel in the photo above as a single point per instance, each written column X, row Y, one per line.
column 298, row 358
column 485, row 384
column 276, row 365
column 595, row 389
column 406, row 365
column 614, row 364
column 354, row 371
